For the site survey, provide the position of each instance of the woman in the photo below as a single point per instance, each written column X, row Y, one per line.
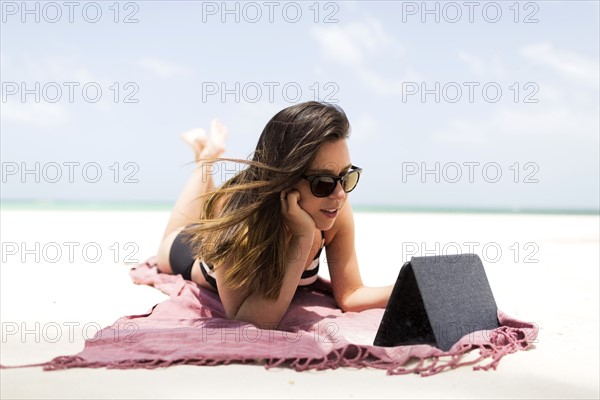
column 258, row 237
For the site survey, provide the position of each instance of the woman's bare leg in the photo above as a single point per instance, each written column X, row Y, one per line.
column 187, row 208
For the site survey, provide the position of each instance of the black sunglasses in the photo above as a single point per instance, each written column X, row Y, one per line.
column 324, row 185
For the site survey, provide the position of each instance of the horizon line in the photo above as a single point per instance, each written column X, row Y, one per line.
column 124, row 205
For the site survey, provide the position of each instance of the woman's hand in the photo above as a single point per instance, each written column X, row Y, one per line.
column 298, row 221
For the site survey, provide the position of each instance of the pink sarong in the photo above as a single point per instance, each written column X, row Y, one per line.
column 190, row 327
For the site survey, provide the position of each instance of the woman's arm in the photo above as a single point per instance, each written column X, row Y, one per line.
column 264, row 313
column 365, row 298
column 253, row 307
column 348, row 289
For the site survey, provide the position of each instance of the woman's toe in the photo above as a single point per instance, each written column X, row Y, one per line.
column 218, row 136
column 193, row 136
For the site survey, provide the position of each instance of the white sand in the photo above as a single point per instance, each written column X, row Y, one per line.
column 41, row 301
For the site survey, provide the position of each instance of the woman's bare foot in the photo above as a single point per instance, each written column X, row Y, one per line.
column 205, row 146
column 217, row 138
column 196, row 139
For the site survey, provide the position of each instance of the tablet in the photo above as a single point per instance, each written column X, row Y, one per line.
column 437, row 300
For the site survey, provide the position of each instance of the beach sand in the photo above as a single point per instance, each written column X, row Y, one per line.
column 542, row 269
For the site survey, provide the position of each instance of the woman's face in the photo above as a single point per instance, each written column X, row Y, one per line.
column 332, row 158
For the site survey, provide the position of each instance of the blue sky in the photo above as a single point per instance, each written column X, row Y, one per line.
column 493, row 150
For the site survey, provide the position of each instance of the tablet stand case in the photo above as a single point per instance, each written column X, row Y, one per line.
column 437, row 300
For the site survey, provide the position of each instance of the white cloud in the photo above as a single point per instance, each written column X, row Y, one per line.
column 371, row 36
column 474, row 62
column 563, row 111
column 570, row 64
column 337, row 45
column 350, row 44
column 355, row 45
column 385, row 86
column 479, row 66
column 35, row 114
column 55, row 70
column 33, row 68
column 546, row 123
column 461, row 130
column 164, row 69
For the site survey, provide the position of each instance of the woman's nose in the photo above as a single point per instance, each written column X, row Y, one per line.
column 338, row 193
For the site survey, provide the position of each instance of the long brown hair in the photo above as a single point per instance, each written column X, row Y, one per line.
column 246, row 228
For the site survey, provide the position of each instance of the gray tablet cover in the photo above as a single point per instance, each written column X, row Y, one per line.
column 437, row 300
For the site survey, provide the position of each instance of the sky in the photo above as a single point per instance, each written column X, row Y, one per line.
column 452, row 104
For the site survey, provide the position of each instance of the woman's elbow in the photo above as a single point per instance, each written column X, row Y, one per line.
column 348, row 307
column 350, row 302
column 344, row 304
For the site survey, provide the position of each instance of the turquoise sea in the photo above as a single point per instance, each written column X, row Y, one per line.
column 63, row 205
